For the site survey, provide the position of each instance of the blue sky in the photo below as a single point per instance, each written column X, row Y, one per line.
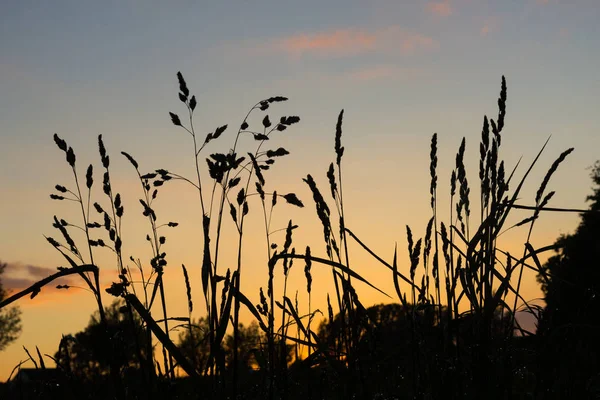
column 401, row 70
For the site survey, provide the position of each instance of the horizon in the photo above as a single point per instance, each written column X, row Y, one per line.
column 400, row 72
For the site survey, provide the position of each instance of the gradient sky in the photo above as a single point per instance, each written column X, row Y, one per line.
column 401, row 71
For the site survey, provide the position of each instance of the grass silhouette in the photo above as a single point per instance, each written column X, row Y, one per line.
column 454, row 333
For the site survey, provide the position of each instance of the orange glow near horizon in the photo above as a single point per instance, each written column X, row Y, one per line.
column 70, row 310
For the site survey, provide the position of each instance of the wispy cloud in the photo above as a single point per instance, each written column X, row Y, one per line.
column 340, row 42
column 19, row 276
column 16, row 284
column 440, row 8
column 352, row 42
column 39, row 272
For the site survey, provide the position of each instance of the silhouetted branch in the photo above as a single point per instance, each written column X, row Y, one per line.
column 36, row 287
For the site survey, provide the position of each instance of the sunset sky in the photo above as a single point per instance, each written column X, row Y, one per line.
column 401, row 71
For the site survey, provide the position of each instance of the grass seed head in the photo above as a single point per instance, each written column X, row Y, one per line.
column 339, row 150
column 307, row 272
column 432, row 168
column 553, row 168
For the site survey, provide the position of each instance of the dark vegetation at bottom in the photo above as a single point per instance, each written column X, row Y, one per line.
column 391, row 367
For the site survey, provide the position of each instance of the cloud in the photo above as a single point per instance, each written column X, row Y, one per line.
column 16, row 284
column 39, row 272
column 542, row 2
column 440, row 8
column 340, row 42
column 352, row 42
column 18, row 276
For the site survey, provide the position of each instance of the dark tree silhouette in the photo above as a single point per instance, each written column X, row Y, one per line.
column 400, row 348
column 251, row 346
column 10, row 318
column 194, row 343
column 385, row 330
column 394, row 343
column 252, row 367
column 84, row 356
column 569, row 325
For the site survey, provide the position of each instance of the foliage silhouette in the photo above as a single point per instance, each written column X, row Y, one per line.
column 10, row 319
column 251, row 346
column 569, row 327
column 84, row 355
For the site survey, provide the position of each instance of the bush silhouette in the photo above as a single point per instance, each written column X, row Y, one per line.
column 570, row 326
column 10, row 319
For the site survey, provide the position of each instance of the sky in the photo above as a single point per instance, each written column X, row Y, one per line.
column 400, row 70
